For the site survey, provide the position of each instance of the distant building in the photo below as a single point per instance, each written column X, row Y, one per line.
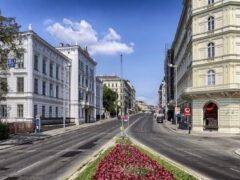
column 162, row 95
column 124, row 89
column 142, row 105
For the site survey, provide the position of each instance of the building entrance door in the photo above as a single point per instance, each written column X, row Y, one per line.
column 86, row 116
column 210, row 119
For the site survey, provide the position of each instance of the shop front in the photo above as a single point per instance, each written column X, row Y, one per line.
column 210, row 116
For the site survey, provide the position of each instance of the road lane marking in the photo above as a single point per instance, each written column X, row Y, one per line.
column 235, row 170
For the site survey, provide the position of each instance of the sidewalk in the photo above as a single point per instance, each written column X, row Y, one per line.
column 29, row 138
column 172, row 127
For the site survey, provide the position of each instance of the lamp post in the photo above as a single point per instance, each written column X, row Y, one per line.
column 122, row 89
column 175, row 68
column 64, row 93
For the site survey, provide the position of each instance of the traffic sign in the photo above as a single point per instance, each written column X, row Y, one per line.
column 177, row 110
column 11, row 62
column 187, row 111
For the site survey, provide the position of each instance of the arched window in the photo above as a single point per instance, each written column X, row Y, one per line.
column 211, row 50
column 210, row 1
column 211, row 77
column 211, row 23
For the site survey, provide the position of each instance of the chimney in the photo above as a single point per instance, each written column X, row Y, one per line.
column 30, row 27
column 60, row 44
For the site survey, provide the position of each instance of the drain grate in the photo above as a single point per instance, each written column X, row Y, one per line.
column 71, row 153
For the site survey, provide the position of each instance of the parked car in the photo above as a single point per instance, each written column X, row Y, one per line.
column 160, row 119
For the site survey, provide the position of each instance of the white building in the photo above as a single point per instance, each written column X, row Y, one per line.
column 83, row 83
column 36, row 83
column 99, row 99
column 47, row 79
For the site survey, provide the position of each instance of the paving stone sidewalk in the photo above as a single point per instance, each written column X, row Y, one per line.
column 173, row 128
column 28, row 138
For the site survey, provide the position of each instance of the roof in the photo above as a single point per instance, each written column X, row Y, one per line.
column 30, row 32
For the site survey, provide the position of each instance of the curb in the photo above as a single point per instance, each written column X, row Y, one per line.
column 75, row 172
column 49, row 135
column 174, row 163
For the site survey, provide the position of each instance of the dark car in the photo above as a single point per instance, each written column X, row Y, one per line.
column 160, row 119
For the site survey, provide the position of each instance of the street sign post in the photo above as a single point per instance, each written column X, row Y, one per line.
column 177, row 110
column 11, row 62
column 38, row 124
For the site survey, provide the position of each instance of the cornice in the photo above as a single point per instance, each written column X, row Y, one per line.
column 37, row 37
column 212, row 7
column 216, row 34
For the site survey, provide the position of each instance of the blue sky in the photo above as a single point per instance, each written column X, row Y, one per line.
column 139, row 29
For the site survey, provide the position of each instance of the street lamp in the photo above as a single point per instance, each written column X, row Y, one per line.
column 122, row 100
column 64, row 93
column 175, row 68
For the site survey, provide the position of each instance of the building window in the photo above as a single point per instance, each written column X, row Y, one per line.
column 211, row 50
column 35, row 111
column 82, row 81
column 3, row 84
column 56, row 112
column 57, row 70
column 3, row 111
column 50, row 111
column 210, row 1
column 44, row 88
column 51, row 90
column 51, row 70
column 211, row 23
column 20, row 111
column 36, row 62
column 20, row 84
column 44, row 66
column 20, row 62
column 36, row 86
column 211, row 77
column 43, row 111
column 57, row 94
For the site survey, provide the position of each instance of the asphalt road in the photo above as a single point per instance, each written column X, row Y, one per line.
column 213, row 157
column 52, row 158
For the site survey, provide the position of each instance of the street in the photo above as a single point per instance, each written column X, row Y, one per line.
column 55, row 157
column 209, row 156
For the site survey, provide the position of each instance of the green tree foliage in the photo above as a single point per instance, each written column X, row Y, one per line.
column 109, row 100
column 9, row 47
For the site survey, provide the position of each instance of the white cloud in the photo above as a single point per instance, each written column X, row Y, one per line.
column 132, row 44
column 83, row 33
column 47, row 22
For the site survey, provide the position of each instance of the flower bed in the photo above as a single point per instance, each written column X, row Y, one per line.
column 126, row 162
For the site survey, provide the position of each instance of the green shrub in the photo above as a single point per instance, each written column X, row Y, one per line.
column 4, row 130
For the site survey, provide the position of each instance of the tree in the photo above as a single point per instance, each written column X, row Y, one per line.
column 109, row 100
column 10, row 40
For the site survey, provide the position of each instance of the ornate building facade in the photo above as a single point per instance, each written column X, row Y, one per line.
column 206, row 54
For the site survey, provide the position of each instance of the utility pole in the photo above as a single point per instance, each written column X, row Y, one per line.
column 122, row 89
